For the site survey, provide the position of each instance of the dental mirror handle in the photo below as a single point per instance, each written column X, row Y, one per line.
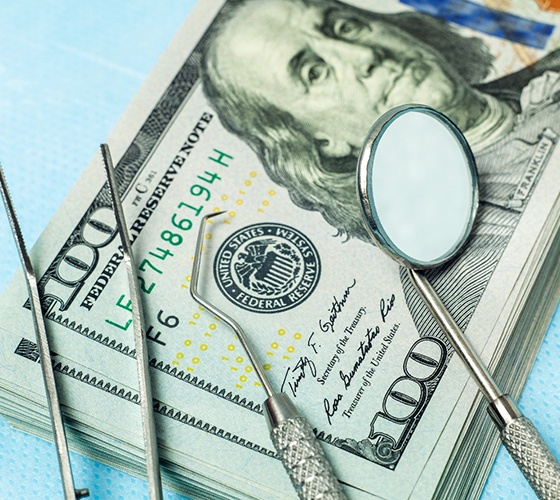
column 300, row 451
column 519, row 435
column 527, row 448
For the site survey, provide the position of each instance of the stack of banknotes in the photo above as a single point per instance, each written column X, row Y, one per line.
column 259, row 108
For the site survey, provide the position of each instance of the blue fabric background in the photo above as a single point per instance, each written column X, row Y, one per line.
column 67, row 71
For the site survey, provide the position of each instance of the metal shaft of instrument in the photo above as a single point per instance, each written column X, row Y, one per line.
column 145, row 388
column 458, row 340
column 44, row 351
column 220, row 314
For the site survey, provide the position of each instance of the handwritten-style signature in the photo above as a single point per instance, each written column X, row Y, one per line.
column 294, row 376
column 336, row 308
column 332, row 408
column 363, row 350
column 386, row 306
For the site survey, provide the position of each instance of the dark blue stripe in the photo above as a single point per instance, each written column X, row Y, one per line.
column 490, row 21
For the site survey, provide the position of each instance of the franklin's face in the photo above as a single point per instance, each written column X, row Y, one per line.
column 333, row 70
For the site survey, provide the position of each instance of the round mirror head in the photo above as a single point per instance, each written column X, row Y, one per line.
column 418, row 186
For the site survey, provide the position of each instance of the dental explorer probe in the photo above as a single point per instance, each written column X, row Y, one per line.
column 301, row 454
column 53, row 402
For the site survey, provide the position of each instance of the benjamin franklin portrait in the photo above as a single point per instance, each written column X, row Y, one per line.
column 302, row 81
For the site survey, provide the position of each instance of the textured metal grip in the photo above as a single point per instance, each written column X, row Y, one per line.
column 305, row 461
column 533, row 457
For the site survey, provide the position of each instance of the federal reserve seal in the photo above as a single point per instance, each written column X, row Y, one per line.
column 267, row 268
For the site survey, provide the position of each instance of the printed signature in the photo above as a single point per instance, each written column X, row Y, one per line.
column 336, row 308
column 294, row 376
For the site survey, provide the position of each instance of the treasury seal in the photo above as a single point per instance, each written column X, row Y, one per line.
column 267, row 268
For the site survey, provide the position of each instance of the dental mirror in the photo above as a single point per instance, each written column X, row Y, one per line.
column 418, row 186
column 418, row 190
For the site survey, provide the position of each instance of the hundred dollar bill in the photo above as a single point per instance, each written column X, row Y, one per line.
column 259, row 108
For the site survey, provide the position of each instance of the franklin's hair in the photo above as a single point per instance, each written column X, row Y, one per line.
column 290, row 155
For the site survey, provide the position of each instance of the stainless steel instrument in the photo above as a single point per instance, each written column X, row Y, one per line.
column 53, row 402
column 418, row 188
column 145, row 388
column 303, row 458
